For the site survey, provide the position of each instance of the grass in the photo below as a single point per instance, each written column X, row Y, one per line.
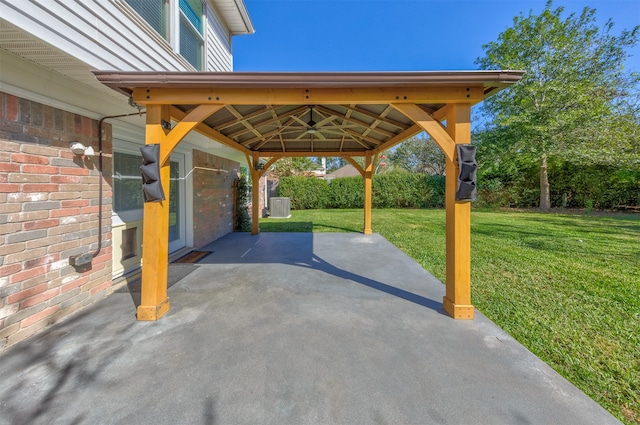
column 565, row 286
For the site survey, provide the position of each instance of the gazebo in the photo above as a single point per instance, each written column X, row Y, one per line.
column 268, row 116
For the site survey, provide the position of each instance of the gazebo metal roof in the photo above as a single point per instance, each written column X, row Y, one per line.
column 314, row 113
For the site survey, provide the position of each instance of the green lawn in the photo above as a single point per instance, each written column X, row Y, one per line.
column 566, row 286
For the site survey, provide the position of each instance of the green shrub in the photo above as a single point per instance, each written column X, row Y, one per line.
column 346, row 192
column 572, row 185
column 393, row 190
column 304, row 192
column 405, row 190
column 605, row 186
column 243, row 194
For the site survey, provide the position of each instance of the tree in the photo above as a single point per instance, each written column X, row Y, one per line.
column 569, row 103
column 293, row 166
column 418, row 154
column 335, row 162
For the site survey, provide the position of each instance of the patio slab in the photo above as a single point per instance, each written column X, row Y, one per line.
column 287, row 328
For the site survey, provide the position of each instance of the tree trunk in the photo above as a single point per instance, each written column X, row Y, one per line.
column 545, row 198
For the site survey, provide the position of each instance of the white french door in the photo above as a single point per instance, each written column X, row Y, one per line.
column 177, row 204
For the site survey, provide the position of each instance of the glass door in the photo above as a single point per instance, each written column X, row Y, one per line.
column 177, row 210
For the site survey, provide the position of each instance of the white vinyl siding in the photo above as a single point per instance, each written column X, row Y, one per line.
column 104, row 34
column 219, row 56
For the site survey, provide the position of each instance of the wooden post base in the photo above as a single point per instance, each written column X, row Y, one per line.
column 367, row 231
column 153, row 312
column 462, row 312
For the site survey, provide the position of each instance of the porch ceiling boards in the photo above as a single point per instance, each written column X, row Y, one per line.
column 309, row 113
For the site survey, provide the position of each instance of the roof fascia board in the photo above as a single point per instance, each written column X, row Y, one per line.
column 297, row 96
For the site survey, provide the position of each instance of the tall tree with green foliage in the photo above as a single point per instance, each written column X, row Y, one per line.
column 573, row 102
column 293, row 166
column 418, row 154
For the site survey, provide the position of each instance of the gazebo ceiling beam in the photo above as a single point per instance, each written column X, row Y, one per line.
column 271, row 133
column 377, row 122
column 375, row 116
column 355, row 134
column 245, row 122
column 348, row 118
column 296, row 112
column 246, row 117
column 294, row 154
column 205, row 130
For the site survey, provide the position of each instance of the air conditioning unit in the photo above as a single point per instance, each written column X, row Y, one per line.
column 279, row 207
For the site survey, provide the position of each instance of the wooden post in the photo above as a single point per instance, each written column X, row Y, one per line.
column 457, row 301
column 368, row 177
column 154, row 302
column 255, row 194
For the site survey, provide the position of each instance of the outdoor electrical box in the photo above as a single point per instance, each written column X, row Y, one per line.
column 466, row 190
column 150, row 169
column 279, row 207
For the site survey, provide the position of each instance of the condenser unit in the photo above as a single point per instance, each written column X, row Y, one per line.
column 279, row 208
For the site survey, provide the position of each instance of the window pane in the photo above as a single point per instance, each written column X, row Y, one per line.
column 190, row 45
column 154, row 12
column 193, row 11
column 127, row 182
column 174, row 201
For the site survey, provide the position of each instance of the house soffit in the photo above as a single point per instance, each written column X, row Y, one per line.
column 235, row 15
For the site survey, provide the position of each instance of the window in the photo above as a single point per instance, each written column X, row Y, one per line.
column 155, row 12
column 191, row 46
column 188, row 38
column 191, row 31
column 127, row 182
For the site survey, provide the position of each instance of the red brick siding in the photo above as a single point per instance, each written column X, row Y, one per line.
column 262, row 202
column 49, row 212
column 213, row 197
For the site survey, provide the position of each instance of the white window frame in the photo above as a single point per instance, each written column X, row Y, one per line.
column 181, row 19
column 122, row 143
column 175, row 17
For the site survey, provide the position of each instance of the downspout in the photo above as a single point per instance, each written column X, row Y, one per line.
column 100, row 183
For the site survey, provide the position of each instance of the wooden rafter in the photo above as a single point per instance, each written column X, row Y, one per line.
column 235, row 121
column 373, row 115
column 377, row 121
column 355, row 134
column 209, row 132
column 347, row 118
column 274, row 119
column 266, row 136
column 243, row 121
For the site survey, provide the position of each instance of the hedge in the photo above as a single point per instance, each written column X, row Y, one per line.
column 572, row 186
column 392, row 190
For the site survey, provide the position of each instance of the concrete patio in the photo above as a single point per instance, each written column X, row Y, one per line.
column 287, row 328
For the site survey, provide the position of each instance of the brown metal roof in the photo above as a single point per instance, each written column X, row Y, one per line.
column 304, row 124
column 124, row 81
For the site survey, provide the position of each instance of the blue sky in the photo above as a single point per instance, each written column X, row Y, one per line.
column 393, row 35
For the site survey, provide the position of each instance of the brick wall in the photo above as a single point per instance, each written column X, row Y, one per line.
column 49, row 202
column 213, row 197
column 262, row 198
